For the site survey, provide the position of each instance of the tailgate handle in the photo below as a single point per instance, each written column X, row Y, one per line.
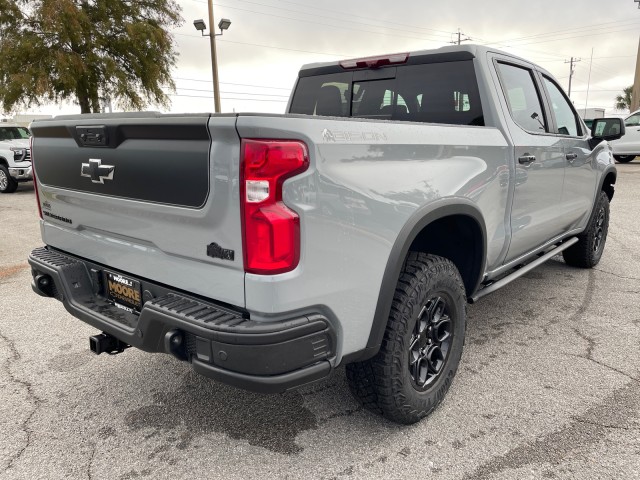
column 93, row 136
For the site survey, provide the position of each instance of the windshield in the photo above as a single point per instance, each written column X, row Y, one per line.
column 14, row 133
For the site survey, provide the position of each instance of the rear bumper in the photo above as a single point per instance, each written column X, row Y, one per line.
column 220, row 342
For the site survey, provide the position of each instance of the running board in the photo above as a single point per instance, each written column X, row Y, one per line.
column 521, row 271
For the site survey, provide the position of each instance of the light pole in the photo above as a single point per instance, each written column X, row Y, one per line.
column 201, row 27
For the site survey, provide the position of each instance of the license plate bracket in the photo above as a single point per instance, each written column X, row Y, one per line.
column 124, row 292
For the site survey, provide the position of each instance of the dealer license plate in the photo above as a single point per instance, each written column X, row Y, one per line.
column 124, row 292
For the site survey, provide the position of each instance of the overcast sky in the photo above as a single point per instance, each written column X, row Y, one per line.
column 269, row 40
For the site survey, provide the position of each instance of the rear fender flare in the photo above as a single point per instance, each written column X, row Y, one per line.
column 416, row 223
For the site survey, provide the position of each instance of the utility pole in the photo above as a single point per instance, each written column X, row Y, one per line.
column 635, row 93
column 214, row 60
column 460, row 39
column 572, row 62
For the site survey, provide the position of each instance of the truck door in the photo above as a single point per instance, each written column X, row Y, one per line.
column 580, row 176
column 539, row 161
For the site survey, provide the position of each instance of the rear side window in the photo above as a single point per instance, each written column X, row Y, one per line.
column 522, row 97
column 437, row 93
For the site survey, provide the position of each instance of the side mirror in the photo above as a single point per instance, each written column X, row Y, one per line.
column 606, row 129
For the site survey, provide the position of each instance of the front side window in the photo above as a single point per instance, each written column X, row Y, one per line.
column 565, row 116
column 633, row 120
column 522, row 97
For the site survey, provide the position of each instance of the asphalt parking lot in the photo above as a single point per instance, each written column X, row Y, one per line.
column 549, row 387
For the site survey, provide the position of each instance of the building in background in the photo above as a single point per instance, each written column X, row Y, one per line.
column 24, row 119
column 591, row 113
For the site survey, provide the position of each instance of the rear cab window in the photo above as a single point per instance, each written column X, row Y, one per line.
column 445, row 92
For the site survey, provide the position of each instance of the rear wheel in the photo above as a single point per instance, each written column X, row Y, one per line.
column 588, row 251
column 624, row 158
column 422, row 343
column 7, row 183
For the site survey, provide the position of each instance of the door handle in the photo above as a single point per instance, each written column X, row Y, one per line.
column 571, row 157
column 526, row 159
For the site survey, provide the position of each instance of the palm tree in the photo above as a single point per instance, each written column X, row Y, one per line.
column 623, row 102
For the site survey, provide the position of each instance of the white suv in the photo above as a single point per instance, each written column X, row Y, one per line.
column 628, row 147
column 15, row 157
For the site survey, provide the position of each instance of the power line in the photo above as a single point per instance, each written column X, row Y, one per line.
column 591, row 27
column 235, row 93
column 271, row 46
column 230, row 83
column 366, row 18
column 580, row 36
column 325, row 24
column 332, row 17
column 228, row 98
column 232, row 93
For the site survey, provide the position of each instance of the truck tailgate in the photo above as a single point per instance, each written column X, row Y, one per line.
column 146, row 194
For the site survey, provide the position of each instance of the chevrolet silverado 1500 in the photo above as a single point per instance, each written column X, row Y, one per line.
column 267, row 250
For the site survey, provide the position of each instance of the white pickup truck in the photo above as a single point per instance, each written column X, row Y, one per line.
column 15, row 157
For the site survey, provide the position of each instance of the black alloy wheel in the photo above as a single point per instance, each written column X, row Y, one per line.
column 599, row 233
column 586, row 253
column 430, row 343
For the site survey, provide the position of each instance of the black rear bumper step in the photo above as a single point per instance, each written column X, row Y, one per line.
column 219, row 342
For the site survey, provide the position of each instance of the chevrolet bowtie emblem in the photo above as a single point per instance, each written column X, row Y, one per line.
column 96, row 171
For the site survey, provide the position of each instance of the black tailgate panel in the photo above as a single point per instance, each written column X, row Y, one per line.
column 155, row 158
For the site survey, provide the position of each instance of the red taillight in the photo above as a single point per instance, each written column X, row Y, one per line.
column 270, row 230
column 375, row 62
column 35, row 181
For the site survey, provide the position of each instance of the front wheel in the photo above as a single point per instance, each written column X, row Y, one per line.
column 586, row 253
column 7, row 183
column 422, row 344
column 624, row 158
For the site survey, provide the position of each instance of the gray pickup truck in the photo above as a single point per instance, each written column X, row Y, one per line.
column 267, row 250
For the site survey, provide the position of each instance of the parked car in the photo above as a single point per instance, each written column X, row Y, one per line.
column 15, row 157
column 628, row 147
column 266, row 250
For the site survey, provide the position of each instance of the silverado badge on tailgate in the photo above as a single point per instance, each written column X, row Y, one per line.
column 124, row 292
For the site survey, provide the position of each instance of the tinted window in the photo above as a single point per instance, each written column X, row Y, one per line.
column 566, row 119
column 522, row 97
column 326, row 95
column 437, row 93
column 633, row 120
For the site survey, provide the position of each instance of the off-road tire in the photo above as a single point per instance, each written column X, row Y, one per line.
column 384, row 384
column 588, row 251
column 7, row 183
column 624, row 158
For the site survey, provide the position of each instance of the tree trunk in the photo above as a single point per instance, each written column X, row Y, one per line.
column 83, row 100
